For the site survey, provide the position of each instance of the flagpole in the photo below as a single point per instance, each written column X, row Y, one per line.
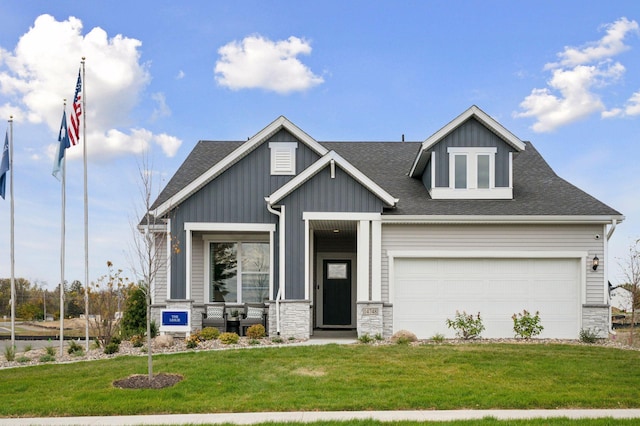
column 86, row 208
column 13, row 260
column 62, row 244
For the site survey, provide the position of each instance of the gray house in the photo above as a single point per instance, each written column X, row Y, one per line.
column 382, row 236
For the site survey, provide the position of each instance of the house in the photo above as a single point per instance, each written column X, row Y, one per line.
column 383, row 236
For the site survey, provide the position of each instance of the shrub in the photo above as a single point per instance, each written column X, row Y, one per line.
column 438, row 337
column 111, row 348
column 254, row 342
column 23, row 359
column 47, row 358
column 403, row 337
column 116, row 339
column 466, row 326
column 134, row 318
column 277, row 339
column 28, row 347
column 192, row 341
column 75, row 348
column 137, row 340
column 526, row 326
column 209, row 333
column 256, row 331
column 365, row 338
column 10, row 353
column 51, row 351
column 378, row 337
column 229, row 338
column 588, row 336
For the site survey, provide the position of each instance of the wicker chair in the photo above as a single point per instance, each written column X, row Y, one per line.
column 254, row 313
column 215, row 315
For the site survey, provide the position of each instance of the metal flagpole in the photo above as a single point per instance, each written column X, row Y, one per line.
column 62, row 246
column 13, row 260
column 86, row 209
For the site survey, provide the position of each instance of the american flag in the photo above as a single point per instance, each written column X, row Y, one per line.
column 74, row 129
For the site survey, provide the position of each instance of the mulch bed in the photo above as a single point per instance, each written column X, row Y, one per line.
column 141, row 381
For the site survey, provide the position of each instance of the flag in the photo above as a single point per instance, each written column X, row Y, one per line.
column 74, row 133
column 4, row 166
column 63, row 138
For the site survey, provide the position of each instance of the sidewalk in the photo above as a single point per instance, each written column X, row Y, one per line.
column 313, row 416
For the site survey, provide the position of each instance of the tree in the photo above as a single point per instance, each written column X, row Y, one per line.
column 106, row 296
column 631, row 274
column 134, row 317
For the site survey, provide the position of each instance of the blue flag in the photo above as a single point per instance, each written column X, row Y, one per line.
column 4, row 166
column 63, row 138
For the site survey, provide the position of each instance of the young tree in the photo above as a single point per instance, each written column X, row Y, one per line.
column 631, row 275
column 106, row 297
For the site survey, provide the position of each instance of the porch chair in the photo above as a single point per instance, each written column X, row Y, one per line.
column 254, row 313
column 215, row 315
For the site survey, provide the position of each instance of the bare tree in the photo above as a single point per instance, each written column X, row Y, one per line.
column 105, row 296
column 631, row 275
column 149, row 254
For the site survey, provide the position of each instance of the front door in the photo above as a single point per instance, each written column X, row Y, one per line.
column 336, row 294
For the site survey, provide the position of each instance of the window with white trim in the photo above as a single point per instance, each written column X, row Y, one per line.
column 472, row 168
column 283, row 158
column 239, row 271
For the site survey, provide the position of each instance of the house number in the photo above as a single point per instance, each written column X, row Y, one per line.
column 369, row 311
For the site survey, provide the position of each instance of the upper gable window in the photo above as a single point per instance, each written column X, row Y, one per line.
column 283, row 158
column 472, row 168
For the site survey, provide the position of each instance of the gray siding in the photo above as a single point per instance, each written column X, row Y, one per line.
column 319, row 194
column 499, row 237
column 160, row 282
column 235, row 196
column 470, row 134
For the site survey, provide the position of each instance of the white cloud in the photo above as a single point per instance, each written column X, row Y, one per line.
column 180, row 75
column 162, row 109
column 572, row 93
column 169, row 144
column 257, row 62
column 42, row 70
column 633, row 105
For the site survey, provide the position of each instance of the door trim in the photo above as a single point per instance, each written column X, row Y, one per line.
column 319, row 282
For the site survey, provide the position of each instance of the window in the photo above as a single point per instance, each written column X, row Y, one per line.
column 471, row 168
column 239, row 272
column 283, row 158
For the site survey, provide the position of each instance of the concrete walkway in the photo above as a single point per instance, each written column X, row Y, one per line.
column 313, row 416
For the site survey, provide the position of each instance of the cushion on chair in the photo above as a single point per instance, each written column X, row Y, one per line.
column 253, row 312
column 215, row 312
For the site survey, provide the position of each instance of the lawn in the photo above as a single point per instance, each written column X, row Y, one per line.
column 337, row 377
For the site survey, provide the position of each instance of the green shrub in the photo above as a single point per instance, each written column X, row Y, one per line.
column 95, row 344
column 526, row 326
column 277, row 339
column 137, row 340
column 438, row 337
column 51, row 351
column 116, row 339
column 10, row 353
column 256, row 331
column 111, row 348
column 75, row 348
column 254, row 342
column 229, row 338
column 23, row 359
column 192, row 341
column 28, row 347
column 588, row 336
column 365, row 338
column 47, row 358
column 466, row 326
column 378, row 337
column 134, row 317
column 209, row 333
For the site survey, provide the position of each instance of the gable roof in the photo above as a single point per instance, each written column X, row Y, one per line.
column 191, row 181
column 474, row 112
column 319, row 165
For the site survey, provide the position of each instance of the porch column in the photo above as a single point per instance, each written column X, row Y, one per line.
column 363, row 261
column 376, row 260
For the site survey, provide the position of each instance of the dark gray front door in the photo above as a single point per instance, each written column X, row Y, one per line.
column 336, row 293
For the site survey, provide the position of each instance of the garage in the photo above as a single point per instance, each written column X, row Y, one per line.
column 427, row 291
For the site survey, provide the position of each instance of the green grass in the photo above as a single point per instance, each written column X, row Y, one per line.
column 335, row 377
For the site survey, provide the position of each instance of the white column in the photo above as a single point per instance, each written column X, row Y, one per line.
column 363, row 261
column 187, row 255
column 376, row 260
column 307, row 252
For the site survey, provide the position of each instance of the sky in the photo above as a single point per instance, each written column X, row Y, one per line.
column 162, row 75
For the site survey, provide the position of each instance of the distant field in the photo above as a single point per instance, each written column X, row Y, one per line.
column 74, row 327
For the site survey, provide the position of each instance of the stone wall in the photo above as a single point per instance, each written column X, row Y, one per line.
column 295, row 319
column 596, row 319
column 370, row 319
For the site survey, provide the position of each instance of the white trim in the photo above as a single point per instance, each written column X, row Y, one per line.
column 376, row 260
column 307, row 253
column 287, row 149
column 485, row 219
column 490, row 254
column 363, row 261
column 511, row 170
column 500, row 193
column 433, row 170
column 169, row 248
column 348, row 216
column 479, row 115
column 316, row 167
column 272, row 240
column 229, row 227
column 187, row 254
column 280, row 123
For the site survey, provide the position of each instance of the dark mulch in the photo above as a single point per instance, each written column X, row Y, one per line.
column 141, row 381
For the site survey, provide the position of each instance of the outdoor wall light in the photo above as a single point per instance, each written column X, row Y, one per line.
column 595, row 263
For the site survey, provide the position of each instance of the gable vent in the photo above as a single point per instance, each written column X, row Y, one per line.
column 283, row 158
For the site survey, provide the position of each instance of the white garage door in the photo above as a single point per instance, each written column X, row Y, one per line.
column 428, row 291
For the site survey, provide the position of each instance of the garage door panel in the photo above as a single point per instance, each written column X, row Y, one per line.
column 428, row 291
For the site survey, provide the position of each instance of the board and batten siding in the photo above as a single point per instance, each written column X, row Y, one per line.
column 235, row 196
column 321, row 193
column 510, row 238
column 160, row 281
column 470, row 134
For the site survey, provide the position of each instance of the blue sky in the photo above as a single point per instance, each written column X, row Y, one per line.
column 162, row 75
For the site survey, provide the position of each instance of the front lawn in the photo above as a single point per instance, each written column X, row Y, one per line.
column 336, row 377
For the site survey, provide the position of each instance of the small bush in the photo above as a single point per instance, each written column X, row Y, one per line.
column 116, row 339
column 28, row 347
column 23, row 359
column 192, row 341
column 209, row 333
column 466, row 326
column 254, row 342
column 75, row 348
column 95, row 344
column 588, row 336
column 378, row 337
column 111, row 348
column 438, row 337
column 403, row 337
column 365, row 338
column 526, row 326
column 47, row 358
column 256, row 331
column 277, row 339
column 137, row 340
column 229, row 338
column 51, row 351
column 10, row 353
